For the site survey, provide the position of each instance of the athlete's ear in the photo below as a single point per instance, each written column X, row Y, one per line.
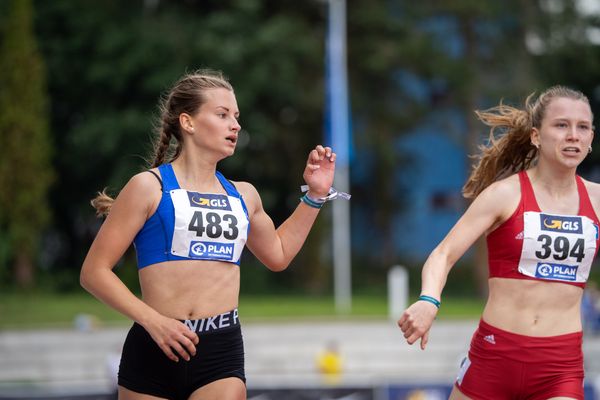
column 535, row 137
column 185, row 121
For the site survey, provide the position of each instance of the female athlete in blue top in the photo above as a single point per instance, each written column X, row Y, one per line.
column 189, row 225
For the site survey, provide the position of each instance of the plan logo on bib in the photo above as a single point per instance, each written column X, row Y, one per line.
column 211, row 250
column 559, row 272
column 561, row 223
column 212, row 201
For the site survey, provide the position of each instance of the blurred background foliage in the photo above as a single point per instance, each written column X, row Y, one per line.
column 80, row 81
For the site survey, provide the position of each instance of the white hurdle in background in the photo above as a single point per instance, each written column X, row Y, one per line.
column 397, row 291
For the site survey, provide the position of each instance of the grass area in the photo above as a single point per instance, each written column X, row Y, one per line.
column 257, row 307
column 37, row 310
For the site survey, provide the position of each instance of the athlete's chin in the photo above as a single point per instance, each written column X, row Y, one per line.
column 571, row 162
column 228, row 153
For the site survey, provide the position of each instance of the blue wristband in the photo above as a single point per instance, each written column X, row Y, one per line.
column 431, row 300
column 310, row 202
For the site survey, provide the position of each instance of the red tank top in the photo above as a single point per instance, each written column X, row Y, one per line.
column 505, row 243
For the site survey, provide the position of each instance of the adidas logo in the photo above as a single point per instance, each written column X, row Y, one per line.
column 490, row 339
column 519, row 236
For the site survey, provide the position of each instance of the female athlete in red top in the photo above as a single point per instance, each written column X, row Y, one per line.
column 541, row 223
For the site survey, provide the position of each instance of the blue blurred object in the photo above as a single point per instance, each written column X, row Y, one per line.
column 590, row 312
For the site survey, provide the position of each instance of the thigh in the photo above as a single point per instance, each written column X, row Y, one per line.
column 126, row 394
column 218, row 356
column 222, row 389
column 457, row 394
column 145, row 369
column 561, row 379
column 562, row 398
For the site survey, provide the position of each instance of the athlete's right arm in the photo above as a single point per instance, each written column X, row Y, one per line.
column 493, row 206
column 129, row 212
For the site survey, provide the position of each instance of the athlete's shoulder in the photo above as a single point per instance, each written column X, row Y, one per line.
column 249, row 194
column 142, row 188
column 245, row 188
column 500, row 199
column 505, row 188
column 593, row 190
column 242, row 184
column 148, row 180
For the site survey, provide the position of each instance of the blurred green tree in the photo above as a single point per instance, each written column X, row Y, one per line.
column 490, row 33
column 566, row 47
column 25, row 147
column 420, row 59
column 108, row 62
column 505, row 51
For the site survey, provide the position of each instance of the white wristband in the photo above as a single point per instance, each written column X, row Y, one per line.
column 333, row 194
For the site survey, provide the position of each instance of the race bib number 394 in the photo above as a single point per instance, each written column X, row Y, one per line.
column 208, row 226
column 557, row 247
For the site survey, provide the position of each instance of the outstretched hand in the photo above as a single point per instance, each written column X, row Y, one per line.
column 319, row 171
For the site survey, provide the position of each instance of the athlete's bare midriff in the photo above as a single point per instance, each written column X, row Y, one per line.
column 533, row 308
column 191, row 289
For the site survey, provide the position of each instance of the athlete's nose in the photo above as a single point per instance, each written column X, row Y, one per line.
column 573, row 134
column 236, row 126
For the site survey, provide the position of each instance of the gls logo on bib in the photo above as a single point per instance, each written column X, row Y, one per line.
column 560, row 223
column 214, row 201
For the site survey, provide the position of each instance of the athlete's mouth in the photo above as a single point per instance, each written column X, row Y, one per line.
column 232, row 138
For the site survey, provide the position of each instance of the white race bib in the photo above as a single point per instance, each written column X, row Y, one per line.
column 557, row 247
column 208, row 226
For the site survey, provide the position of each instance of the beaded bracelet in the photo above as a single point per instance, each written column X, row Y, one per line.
column 431, row 300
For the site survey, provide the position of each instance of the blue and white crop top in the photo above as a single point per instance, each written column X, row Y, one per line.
column 193, row 226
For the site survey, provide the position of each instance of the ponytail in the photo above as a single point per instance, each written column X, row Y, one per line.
column 509, row 148
column 102, row 203
column 186, row 96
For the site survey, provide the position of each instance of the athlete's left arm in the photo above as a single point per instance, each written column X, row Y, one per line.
column 276, row 248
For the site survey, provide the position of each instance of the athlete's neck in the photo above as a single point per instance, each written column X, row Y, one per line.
column 196, row 175
column 555, row 184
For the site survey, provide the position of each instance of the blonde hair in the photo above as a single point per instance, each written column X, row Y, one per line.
column 186, row 96
column 509, row 148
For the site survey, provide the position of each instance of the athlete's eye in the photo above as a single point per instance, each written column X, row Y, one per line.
column 584, row 127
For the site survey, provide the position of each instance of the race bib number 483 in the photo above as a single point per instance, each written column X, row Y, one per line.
column 208, row 226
